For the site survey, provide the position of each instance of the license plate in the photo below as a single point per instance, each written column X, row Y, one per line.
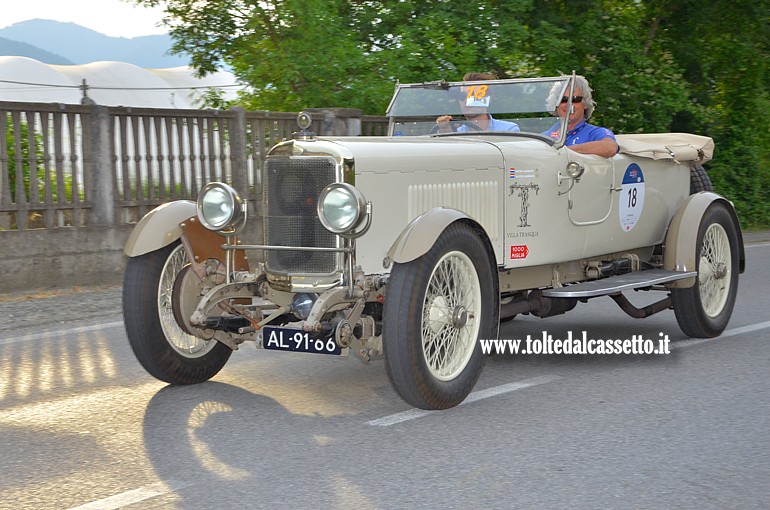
column 294, row 340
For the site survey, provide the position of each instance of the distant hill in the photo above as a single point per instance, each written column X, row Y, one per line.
column 81, row 45
column 20, row 49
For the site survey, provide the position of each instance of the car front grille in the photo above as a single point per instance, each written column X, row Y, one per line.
column 291, row 189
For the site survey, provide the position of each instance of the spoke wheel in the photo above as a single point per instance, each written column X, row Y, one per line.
column 704, row 309
column 714, row 270
column 162, row 346
column 450, row 311
column 171, row 295
column 436, row 309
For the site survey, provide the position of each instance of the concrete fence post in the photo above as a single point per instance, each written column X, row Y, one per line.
column 98, row 170
column 238, row 152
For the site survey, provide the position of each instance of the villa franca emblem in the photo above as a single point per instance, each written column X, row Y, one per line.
column 523, row 190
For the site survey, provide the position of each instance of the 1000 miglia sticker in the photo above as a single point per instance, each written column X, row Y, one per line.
column 631, row 197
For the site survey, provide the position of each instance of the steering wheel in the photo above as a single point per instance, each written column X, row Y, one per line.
column 455, row 125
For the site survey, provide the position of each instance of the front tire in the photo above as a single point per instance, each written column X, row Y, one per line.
column 162, row 347
column 437, row 307
column 704, row 309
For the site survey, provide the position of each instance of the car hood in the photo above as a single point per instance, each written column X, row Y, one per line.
column 417, row 154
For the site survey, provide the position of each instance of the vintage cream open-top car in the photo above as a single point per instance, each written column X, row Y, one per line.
column 415, row 245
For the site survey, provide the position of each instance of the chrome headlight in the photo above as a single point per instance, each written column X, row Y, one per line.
column 341, row 208
column 220, row 208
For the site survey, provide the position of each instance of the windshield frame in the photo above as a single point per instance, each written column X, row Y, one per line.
column 453, row 88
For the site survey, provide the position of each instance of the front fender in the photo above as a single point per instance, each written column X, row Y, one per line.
column 682, row 235
column 159, row 227
column 422, row 232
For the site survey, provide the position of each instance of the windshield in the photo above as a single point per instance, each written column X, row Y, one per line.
column 523, row 106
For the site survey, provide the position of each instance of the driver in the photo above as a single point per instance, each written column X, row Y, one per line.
column 582, row 137
column 475, row 114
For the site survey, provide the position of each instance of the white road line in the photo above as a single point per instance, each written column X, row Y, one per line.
column 47, row 334
column 413, row 414
column 679, row 344
column 133, row 496
column 158, row 489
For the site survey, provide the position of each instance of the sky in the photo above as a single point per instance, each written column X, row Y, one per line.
column 110, row 17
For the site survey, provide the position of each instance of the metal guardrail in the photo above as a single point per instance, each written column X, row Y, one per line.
column 87, row 165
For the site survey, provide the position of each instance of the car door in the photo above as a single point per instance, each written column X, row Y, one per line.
column 591, row 197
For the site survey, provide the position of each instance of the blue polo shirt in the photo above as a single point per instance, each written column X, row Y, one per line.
column 494, row 125
column 583, row 132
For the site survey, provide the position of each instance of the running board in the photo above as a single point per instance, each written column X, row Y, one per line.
column 619, row 283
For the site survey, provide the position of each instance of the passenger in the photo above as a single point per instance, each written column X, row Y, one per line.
column 583, row 137
column 475, row 114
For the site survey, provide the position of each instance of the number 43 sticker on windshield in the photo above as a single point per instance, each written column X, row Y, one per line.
column 631, row 197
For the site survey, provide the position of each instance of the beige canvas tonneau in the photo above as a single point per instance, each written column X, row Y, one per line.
column 677, row 146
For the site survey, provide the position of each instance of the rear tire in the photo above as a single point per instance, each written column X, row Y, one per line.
column 704, row 309
column 162, row 347
column 436, row 309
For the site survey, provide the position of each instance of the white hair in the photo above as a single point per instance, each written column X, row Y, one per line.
column 561, row 88
column 588, row 100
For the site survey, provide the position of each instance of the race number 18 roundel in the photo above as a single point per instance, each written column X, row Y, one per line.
column 631, row 197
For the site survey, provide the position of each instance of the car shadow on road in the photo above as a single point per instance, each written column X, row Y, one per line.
column 222, row 446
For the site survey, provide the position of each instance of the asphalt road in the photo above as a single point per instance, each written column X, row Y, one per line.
column 83, row 426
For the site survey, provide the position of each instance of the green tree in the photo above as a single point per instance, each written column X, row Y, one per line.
column 724, row 49
column 638, row 88
column 326, row 53
column 321, row 53
column 655, row 65
column 26, row 166
column 18, row 150
column 292, row 53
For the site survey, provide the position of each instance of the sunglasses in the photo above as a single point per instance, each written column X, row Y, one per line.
column 575, row 99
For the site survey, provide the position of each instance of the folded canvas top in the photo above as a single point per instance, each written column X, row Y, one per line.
column 680, row 147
